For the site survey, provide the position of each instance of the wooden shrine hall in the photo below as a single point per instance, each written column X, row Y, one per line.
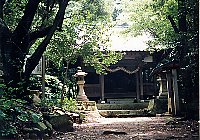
column 129, row 78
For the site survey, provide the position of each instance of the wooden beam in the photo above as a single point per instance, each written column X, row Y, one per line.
column 137, row 86
column 101, row 79
column 141, row 84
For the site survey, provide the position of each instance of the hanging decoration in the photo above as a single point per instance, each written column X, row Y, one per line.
column 121, row 68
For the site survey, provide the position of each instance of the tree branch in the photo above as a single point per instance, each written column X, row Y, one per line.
column 5, row 48
column 30, row 39
column 33, row 61
column 182, row 22
column 4, row 33
column 40, row 33
column 173, row 24
column 49, row 8
column 2, row 2
column 24, row 25
column 153, row 33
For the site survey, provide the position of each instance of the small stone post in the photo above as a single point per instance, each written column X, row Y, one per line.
column 81, row 94
column 170, row 93
column 163, row 93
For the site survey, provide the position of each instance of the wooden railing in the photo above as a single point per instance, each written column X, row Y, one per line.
column 94, row 90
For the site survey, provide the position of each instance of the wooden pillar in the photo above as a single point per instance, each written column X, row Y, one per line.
column 170, row 93
column 101, row 79
column 141, row 85
column 175, row 89
column 137, row 86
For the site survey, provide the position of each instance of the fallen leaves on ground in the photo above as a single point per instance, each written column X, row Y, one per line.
column 134, row 129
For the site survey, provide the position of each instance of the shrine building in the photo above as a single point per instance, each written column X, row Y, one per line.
column 128, row 79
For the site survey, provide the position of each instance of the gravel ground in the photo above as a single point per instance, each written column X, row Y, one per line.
column 137, row 128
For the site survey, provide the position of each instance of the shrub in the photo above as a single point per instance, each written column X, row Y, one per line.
column 53, row 88
column 15, row 115
column 69, row 104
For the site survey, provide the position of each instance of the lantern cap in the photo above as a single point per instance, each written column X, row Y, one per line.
column 80, row 72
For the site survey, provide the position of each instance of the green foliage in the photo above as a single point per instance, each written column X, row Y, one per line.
column 69, row 104
column 2, row 89
column 71, row 84
column 14, row 115
column 86, row 34
column 24, row 23
column 149, row 16
column 35, row 82
column 53, row 87
column 52, row 84
column 152, row 16
column 80, row 32
column 13, row 12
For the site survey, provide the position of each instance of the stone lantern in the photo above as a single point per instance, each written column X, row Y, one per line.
column 163, row 92
column 80, row 76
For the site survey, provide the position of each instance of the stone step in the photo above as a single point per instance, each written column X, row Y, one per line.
column 123, row 113
column 121, row 101
column 130, row 106
column 91, row 116
column 86, row 105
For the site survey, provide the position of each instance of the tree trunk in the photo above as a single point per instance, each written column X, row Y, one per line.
column 12, row 58
column 13, row 62
column 15, row 45
column 182, row 22
column 2, row 2
column 182, row 48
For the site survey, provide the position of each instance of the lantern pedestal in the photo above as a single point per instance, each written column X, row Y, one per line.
column 81, row 94
column 82, row 98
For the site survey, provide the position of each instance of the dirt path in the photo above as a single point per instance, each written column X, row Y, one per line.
column 138, row 128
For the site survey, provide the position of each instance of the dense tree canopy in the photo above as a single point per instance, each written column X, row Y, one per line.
column 174, row 26
column 85, row 36
column 20, row 29
column 25, row 24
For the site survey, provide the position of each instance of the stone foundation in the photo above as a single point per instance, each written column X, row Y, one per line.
column 86, row 105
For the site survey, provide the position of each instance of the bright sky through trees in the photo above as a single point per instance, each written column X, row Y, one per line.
column 119, row 41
